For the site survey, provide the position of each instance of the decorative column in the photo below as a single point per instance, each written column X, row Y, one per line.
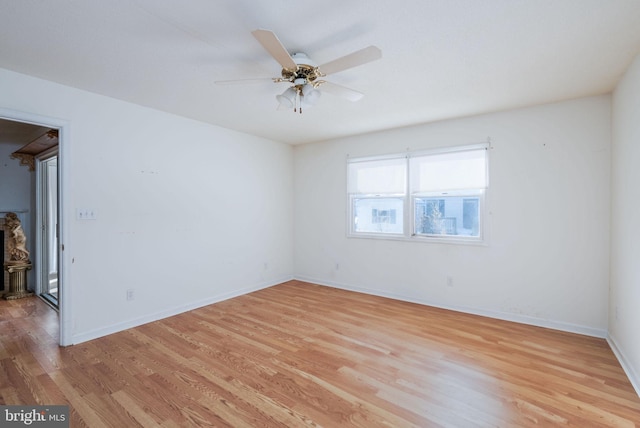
column 17, row 280
column 18, row 263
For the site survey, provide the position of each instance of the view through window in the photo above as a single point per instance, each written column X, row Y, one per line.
column 437, row 194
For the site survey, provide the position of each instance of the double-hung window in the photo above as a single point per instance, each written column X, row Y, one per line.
column 431, row 195
column 378, row 190
column 447, row 192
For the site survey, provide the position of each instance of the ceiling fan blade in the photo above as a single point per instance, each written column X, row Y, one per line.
column 244, row 81
column 341, row 91
column 354, row 59
column 272, row 44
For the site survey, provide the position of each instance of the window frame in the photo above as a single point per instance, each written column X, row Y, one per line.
column 409, row 198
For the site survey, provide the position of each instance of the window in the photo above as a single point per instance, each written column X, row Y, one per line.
column 449, row 215
column 446, row 190
column 378, row 191
column 434, row 195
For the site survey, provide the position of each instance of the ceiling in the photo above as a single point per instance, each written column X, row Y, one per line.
column 440, row 59
column 19, row 133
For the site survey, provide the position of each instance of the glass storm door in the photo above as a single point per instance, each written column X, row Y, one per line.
column 48, row 251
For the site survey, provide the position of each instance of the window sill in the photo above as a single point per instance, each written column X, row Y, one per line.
column 478, row 242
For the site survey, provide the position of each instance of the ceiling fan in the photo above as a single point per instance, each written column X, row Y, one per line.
column 304, row 76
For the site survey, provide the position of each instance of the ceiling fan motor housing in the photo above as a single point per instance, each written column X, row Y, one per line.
column 306, row 70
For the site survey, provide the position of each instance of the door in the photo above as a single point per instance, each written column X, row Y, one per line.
column 48, row 285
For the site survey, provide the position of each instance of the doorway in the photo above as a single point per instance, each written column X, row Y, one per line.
column 56, row 238
column 48, row 286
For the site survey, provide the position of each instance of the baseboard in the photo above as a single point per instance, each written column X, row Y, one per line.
column 522, row 319
column 624, row 362
column 115, row 328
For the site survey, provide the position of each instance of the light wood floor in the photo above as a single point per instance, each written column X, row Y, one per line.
column 304, row 355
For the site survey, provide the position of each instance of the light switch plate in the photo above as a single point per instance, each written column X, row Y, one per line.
column 85, row 214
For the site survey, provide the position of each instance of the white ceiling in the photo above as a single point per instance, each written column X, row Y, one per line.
column 440, row 58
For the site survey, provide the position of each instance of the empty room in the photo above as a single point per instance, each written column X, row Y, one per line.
column 246, row 213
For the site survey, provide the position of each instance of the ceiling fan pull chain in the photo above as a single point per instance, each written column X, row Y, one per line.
column 299, row 90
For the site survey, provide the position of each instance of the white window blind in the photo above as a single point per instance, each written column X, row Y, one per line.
column 458, row 170
column 378, row 177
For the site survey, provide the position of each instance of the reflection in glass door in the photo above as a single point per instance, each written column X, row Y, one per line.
column 48, row 251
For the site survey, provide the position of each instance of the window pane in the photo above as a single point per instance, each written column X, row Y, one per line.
column 378, row 215
column 470, row 213
column 447, row 215
column 449, row 171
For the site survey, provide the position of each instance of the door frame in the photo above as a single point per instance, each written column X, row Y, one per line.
column 65, row 308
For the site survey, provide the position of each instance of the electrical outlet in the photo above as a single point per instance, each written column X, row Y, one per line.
column 449, row 281
column 130, row 294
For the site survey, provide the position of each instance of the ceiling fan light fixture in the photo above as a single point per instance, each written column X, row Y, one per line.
column 287, row 98
column 311, row 95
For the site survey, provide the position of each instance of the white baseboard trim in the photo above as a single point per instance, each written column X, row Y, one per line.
column 115, row 328
column 506, row 316
column 624, row 362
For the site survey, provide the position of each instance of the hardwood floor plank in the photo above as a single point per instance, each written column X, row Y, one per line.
column 137, row 412
column 300, row 354
column 76, row 401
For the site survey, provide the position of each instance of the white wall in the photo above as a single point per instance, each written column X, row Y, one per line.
column 187, row 213
column 15, row 180
column 624, row 306
column 547, row 258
